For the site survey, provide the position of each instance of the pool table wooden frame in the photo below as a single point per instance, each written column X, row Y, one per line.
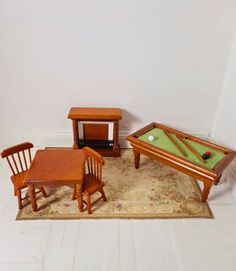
column 207, row 176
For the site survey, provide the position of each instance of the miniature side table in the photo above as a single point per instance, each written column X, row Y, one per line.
column 96, row 128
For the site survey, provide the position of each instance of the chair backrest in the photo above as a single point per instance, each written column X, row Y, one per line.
column 94, row 163
column 18, row 157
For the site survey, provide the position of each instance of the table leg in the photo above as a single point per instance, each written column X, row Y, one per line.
column 18, row 193
column 136, row 158
column 32, row 195
column 74, row 195
column 205, row 192
column 115, row 134
column 79, row 197
column 217, row 180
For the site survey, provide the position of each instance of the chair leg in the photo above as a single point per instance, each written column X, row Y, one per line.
column 18, row 193
column 43, row 191
column 88, row 200
column 103, row 194
column 74, row 193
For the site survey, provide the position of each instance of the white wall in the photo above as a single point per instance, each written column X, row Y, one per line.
column 224, row 129
column 158, row 60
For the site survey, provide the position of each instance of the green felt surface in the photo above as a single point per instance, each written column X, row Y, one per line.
column 162, row 141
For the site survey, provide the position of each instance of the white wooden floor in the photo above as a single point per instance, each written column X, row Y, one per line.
column 115, row 245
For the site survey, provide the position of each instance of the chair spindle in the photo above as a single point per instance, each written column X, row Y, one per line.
column 30, row 158
column 18, row 154
column 26, row 166
column 10, row 165
column 14, row 161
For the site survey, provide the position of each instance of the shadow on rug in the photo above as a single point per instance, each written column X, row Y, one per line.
column 152, row 191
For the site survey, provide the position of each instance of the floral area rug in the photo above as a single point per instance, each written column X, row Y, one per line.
column 152, row 191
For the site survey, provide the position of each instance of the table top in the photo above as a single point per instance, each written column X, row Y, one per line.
column 94, row 113
column 56, row 167
column 162, row 141
column 163, row 145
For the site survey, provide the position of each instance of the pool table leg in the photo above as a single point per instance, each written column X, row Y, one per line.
column 205, row 192
column 217, row 180
column 136, row 158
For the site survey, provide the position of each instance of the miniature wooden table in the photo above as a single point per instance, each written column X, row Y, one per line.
column 96, row 133
column 182, row 152
column 56, row 167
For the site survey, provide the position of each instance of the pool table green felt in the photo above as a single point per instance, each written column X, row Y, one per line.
column 162, row 141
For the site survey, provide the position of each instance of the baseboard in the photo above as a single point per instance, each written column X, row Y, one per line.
column 38, row 139
column 48, row 139
column 57, row 139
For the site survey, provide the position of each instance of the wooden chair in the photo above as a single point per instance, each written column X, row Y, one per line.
column 19, row 160
column 93, row 178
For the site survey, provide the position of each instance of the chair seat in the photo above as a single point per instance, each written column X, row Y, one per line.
column 18, row 180
column 91, row 184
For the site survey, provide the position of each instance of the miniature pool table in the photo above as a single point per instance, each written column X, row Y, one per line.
column 182, row 152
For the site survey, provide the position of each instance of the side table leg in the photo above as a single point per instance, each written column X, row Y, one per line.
column 75, row 134
column 80, row 197
column 32, row 195
column 115, row 134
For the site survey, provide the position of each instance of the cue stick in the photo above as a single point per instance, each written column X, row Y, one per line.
column 175, row 143
column 191, row 149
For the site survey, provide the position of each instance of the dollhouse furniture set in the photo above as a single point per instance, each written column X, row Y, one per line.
column 95, row 134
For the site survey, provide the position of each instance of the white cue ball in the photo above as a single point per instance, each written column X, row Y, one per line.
column 151, row 138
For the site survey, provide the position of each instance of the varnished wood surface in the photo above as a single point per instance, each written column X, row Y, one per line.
column 56, row 167
column 175, row 143
column 207, row 176
column 94, row 131
column 191, row 149
column 193, row 138
column 93, row 113
column 19, row 160
column 16, row 149
column 92, row 180
column 77, row 114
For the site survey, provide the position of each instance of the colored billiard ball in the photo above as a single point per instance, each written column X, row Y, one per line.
column 151, row 138
column 206, row 155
